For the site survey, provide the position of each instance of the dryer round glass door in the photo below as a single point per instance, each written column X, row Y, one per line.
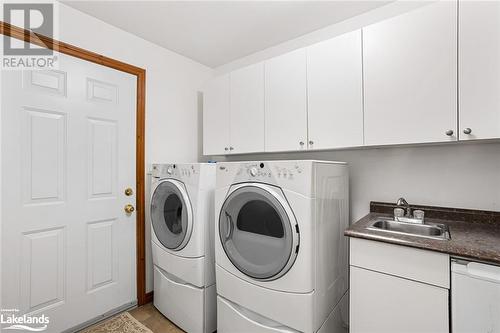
column 256, row 232
column 171, row 214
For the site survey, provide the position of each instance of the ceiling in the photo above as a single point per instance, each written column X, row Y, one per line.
column 217, row 32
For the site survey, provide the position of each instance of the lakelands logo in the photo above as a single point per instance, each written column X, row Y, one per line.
column 10, row 319
column 37, row 19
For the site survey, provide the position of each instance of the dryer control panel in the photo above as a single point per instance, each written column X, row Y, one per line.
column 301, row 176
column 264, row 172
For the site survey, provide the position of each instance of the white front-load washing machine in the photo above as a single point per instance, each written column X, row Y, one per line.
column 281, row 254
column 182, row 240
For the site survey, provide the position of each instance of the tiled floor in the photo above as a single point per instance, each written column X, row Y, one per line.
column 154, row 320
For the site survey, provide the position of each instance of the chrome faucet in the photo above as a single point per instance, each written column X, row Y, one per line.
column 403, row 202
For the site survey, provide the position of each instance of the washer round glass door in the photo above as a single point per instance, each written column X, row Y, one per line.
column 171, row 214
column 256, row 232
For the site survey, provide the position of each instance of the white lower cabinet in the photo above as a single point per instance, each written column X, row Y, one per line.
column 388, row 294
column 385, row 303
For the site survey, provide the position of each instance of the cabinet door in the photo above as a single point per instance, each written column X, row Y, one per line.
column 479, row 70
column 247, row 109
column 286, row 114
column 385, row 303
column 335, row 92
column 410, row 76
column 216, row 116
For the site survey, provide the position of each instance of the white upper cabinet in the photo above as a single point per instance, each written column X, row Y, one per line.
column 285, row 96
column 247, row 109
column 410, row 77
column 335, row 92
column 479, row 70
column 394, row 82
column 216, row 116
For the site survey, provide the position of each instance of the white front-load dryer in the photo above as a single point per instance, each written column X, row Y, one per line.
column 281, row 256
column 182, row 241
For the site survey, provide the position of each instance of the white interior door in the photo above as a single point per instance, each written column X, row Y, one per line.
column 68, row 152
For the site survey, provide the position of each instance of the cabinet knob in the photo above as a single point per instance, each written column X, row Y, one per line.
column 231, row 148
column 301, row 143
column 467, row 130
column 449, row 132
column 226, row 149
column 311, row 142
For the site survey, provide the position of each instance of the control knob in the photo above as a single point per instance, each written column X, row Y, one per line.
column 253, row 172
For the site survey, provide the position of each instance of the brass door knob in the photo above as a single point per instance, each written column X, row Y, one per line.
column 129, row 191
column 129, row 209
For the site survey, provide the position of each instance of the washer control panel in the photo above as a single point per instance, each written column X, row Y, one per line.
column 173, row 170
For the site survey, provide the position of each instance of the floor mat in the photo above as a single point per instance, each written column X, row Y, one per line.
column 122, row 323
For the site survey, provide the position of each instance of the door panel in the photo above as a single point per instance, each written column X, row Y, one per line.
column 68, row 153
column 42, row 271
column 102, row 268
column 47, row 81
column 286, row 109
column 410, row 76
column 479, row 69
column 102, row 147
column 44, row 148
column 101, row 92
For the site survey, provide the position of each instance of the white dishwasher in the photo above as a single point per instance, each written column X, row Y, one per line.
column 475, row 297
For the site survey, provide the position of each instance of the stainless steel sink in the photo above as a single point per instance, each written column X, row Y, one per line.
column 435, row 231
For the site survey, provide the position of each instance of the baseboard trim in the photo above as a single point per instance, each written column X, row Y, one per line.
column 102, row 317
column 149, row 297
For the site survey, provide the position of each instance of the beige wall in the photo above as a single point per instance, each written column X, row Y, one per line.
column 458, row 175
column 455, row 175
column 172, row 86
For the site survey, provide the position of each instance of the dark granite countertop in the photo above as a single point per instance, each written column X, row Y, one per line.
column 477, row 239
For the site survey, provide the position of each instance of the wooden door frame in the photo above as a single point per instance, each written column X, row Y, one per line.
column 44, row 41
